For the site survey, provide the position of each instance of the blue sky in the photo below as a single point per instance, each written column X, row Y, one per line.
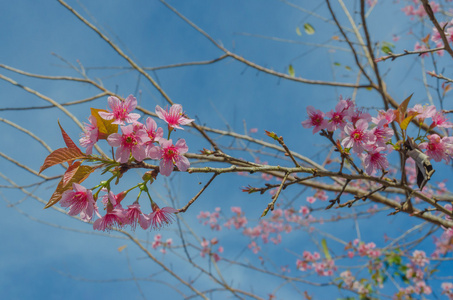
column 65, row 258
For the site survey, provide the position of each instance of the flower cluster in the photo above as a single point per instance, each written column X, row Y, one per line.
column 136, row 142
column 370, row 137
column 323, row 267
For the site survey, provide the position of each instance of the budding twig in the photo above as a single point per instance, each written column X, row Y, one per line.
column 275, row 197
column 198, row 194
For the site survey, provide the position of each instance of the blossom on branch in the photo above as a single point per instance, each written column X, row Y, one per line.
column 174, row 117
column 80, row 201
column 358, row 136
column 315, row 118
column 90, row 135
column 121, row 110
column 128, row 142
column 438, row 148
column 375, row 159
column 161, row 217
column 170, row 155
column 134, row 215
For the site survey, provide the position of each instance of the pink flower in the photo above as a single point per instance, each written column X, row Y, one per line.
column 174, row 117
column 421, row 47
column 388, row 115
column 161, row 217
column 154, row 133
column 112, row 199
column 439, row 120
column 424, row 112
column 170, row 155
column 338, row 116
column 419, row 258
column 90, row 135
column 311, row 200
column 134, row 215
column 80, row 201
column 382, row 133
column 121, row 110
column 113, row 217
column 357, row 137
column 357, row 115
column 375, row 160
column 437, row 148
column 129, row 142
column 315, row 118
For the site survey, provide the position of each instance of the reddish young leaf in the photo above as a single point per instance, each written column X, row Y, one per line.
column 81, row 173
column 400, row 113
column 408, row 119
column 61, row 155
column 70, row 172
column 69, row 143
column 106, row 127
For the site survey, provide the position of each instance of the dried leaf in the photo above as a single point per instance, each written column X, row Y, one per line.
column 120, row 249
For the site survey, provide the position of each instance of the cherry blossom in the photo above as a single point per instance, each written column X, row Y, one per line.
column 382, row 133
column 113, row 218
column 424, row 112
column 438, row 148
column 154, row 133
column 440, row 120
column 421, row 47
column 357, row 137
column 170, row 155
column 174, row 117
column 388, row 115
column 134, row 215
column 315, row 118
column 121, row 110
column 161, row 217
column 90, row 135
column 338, row 116
column 375, row 159
column 129, row 142
column 80, row 201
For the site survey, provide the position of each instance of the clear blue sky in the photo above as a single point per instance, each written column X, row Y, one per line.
column 44, row 261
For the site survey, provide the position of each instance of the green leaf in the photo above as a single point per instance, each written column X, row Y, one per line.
column 298, row 31
column 348, row 68
column 291, row 71
column 309, row 29
column 336, row 64
column 387, row 47
column 325, row 249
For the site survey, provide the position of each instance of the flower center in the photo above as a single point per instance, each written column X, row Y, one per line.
column 129, row 141
column 357, row 135
column 170, row 153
